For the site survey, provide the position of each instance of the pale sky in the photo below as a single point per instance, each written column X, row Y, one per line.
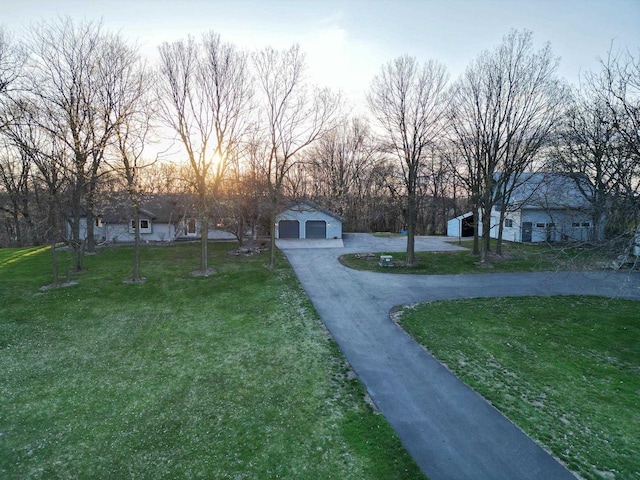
column 347, row 41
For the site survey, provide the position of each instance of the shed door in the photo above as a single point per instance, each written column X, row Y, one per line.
column 289, row 229
column 527, row 227
column 316, row 229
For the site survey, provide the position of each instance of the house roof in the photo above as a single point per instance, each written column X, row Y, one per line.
column 549, row 190
column 298, row 206
column 159, row 208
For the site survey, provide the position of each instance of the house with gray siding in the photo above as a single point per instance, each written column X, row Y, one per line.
column 542, row 207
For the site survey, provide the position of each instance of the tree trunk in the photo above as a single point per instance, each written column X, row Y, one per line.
column 411, row 230
column 272, row 234
column 476, row 234
column 76, row 241
column 486, row 234
column 136, row 243
column 204, row 235
column 500, row 231
column 53, row 221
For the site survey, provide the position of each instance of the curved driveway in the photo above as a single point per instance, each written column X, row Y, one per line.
column 450, row 431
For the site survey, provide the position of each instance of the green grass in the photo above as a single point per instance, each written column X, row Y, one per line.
column 564, row 369
column 227, row 376
column 388, row 234
column 516, row 257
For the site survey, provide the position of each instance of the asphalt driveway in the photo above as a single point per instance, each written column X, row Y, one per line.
column 450, row 431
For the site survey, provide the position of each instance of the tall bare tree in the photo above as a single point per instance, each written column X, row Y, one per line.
column 409, row 102
column 47, row 155
column 295, row 115
column 598, row 143
column 206, row 94
column 73, row 79
column 133, row 110
column 505, row 106
column 12, row 59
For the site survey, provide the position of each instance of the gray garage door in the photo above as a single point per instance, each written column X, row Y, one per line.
column 316, row 229
column 289, row 229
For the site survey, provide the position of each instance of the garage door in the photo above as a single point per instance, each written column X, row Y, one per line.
column 316, row 229
column 289, row 229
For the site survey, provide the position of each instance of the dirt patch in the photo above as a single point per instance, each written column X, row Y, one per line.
column 203, row 273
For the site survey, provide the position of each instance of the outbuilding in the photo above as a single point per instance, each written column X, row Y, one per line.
column 307, row 220
column 462, row 225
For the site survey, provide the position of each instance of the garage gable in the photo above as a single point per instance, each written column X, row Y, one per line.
column 311, row 221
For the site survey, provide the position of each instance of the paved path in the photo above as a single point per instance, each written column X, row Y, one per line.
column 450, row 431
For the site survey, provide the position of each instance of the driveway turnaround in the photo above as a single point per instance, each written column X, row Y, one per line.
column 450, row 430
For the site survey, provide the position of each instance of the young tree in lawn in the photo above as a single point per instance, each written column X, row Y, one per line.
column 294, row 114
column 409, row 102
column 206, row 94
column 505, row 106
column 134, row 109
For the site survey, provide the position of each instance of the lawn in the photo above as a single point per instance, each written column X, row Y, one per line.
column 517, row 257
column 221, row 377
column 564, row 369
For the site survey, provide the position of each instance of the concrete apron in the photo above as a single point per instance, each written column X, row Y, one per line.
column 294, row 243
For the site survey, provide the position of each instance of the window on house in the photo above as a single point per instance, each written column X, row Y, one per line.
column 575, row 224
column 191, row 226
column 540, row 225
column 98, row 222
column 586, row 224
column 508, row 222
column 145, row 226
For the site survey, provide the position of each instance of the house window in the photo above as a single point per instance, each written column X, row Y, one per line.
column 508, row 222
column 575, row 224
column 540, row 225
column 98, row 222
column 191, row 226
column 145, row 226
column 586, row 224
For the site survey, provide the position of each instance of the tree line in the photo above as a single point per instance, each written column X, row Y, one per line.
column 82, row 114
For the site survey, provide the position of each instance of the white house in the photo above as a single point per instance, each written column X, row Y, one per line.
column 305, row 219
column 543, row 207
column 163, row 218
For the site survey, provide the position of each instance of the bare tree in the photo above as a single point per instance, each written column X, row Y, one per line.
column 339, row 162
column 410, row 101
column 44, row 151
column 295, row 116
column 206, row 97
column 73, row 79
column 12, row 59
column 598, row 144
column 15, row 177
column 504, row 108
column 133, row 111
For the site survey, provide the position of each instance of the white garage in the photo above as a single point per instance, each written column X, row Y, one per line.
column 306, row 220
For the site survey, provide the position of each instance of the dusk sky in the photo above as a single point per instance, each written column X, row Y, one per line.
column 347, row 41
